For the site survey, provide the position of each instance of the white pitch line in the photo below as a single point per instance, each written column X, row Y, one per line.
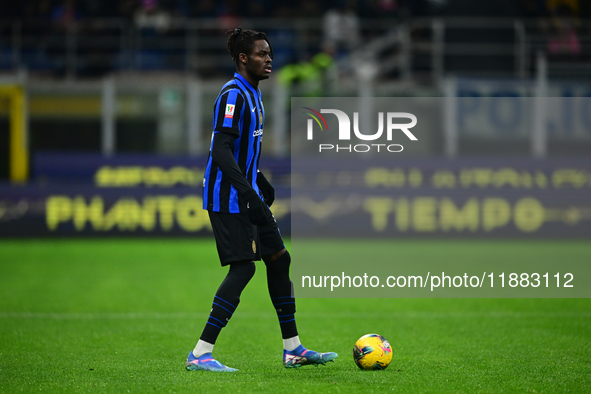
column 270, row 314
column 90, row 316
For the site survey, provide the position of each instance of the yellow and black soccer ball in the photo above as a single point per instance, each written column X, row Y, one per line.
column 372, row 352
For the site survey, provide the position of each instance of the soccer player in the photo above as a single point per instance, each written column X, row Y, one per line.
column 237, row 197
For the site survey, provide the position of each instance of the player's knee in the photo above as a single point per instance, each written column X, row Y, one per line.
column 245, row 270
column 281, row 263
column 272, row 257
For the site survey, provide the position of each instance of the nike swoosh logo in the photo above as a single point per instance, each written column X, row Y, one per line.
column 253, row 109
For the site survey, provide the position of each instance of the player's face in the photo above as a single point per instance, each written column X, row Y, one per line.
column 259, row 61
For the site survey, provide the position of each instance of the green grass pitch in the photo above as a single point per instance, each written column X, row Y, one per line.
column 121, row 316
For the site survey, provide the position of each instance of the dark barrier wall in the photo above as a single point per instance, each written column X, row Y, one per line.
column 129, row 170
column 147, row 195
column 92, row 195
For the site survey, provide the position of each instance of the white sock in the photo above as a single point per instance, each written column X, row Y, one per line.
column 202, row 348
column 290, row 344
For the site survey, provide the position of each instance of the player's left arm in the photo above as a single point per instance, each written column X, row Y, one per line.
column 266, row 188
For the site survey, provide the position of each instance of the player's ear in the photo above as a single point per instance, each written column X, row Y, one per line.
column 242, row 58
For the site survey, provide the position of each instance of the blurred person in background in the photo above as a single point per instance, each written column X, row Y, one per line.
column 341, row 28
column 565, row 20
column 65, row 13
column 150, row 16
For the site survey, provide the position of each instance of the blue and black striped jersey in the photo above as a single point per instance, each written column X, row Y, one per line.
column 238, row 110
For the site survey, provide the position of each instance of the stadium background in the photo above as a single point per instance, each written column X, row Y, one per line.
column 114, row 125
column 105, row 118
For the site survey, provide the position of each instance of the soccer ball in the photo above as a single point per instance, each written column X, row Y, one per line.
column 372, row 351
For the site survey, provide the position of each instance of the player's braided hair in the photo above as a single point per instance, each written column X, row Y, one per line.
column 242, row 41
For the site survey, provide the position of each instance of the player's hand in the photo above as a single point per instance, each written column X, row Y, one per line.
column 266, row 188
column 257, row 210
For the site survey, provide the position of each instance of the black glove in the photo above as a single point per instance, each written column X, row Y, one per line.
column 256, row 209
column 266, row 188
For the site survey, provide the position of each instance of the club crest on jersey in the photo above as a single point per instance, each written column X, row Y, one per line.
column 229, row 111
column 261, row 118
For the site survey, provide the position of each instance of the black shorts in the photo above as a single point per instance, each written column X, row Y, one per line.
column 237, row 239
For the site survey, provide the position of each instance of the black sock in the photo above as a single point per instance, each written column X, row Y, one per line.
column 227, row 298
column 281, row 291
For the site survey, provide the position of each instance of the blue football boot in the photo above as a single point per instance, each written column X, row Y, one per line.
column 302, row 356
column 206, row 362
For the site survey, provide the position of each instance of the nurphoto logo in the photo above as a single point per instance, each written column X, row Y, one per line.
column 344, row 132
